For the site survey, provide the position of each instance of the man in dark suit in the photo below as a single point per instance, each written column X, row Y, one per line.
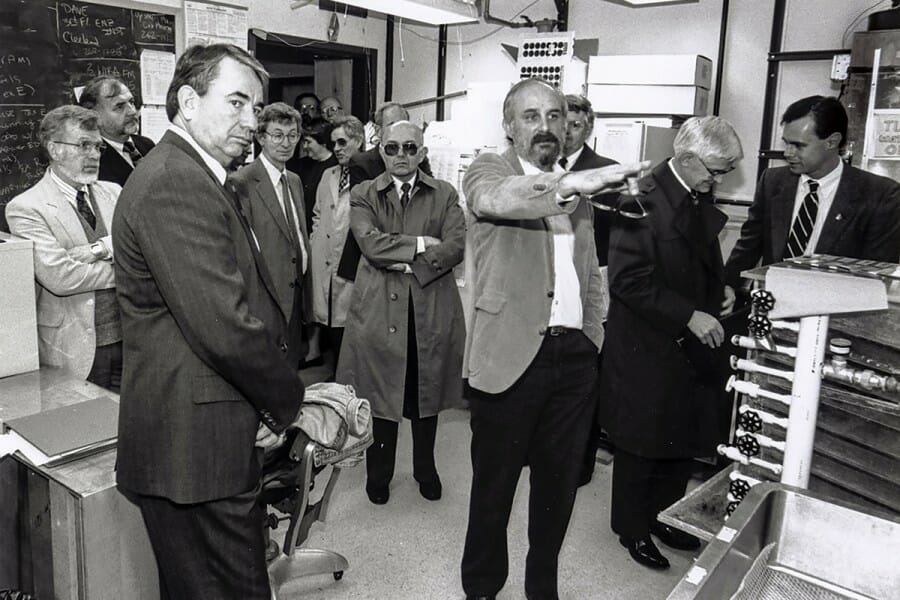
column 207, row 385
column 854, row 213
column 273, row 201
column 369, row 165
column 119, row 121
column 660, row 378
column 531, row 350
column 578, row 156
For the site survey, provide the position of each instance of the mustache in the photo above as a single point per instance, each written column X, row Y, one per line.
column 542, row 137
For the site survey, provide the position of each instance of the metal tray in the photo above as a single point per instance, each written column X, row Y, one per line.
column 784, row 542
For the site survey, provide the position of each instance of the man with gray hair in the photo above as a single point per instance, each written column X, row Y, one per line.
column 68, row 215
column 660, row 375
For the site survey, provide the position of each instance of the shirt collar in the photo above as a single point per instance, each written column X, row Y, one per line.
column 68, row 191
column 832, row 178
column 573, row 158
column 678, row 178
column 272, row 171
column 119, row 146
column 399, row 184
column 530, row 169
column 218, row 170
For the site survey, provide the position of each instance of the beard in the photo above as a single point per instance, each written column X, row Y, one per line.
column 544, row 156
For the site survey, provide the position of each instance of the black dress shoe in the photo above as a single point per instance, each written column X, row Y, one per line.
column 674, row 538
column 378, row 495
column 431, row 490
column 645, row 552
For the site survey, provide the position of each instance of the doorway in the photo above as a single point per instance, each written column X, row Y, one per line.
column 298, row 65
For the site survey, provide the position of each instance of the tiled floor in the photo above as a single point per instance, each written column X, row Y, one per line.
column 410, row 548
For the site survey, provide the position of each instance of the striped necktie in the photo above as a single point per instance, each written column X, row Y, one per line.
column 802, row 227
column 344, row 182
column 85, row 209
column 133, row 153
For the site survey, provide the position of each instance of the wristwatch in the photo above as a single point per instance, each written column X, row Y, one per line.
column 98, row 249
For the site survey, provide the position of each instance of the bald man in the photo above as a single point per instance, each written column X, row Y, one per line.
column 405, row 312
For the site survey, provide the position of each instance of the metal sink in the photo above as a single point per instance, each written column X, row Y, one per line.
column 787, row 543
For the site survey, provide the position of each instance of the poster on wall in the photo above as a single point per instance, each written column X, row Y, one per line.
column 211, row 24
column 885, row 135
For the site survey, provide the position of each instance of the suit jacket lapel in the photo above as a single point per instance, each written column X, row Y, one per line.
column 229, row 195
column 782, row 208
column 842, row 211
column 267, row 196
column 62, row 210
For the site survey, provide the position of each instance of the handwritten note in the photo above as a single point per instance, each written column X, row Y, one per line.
column 157, row 69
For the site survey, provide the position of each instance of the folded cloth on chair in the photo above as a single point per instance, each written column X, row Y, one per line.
column 333, row 417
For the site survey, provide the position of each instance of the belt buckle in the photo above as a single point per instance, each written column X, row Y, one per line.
column 556, row 330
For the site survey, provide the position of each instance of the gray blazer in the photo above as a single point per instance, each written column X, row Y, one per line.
column 512, row 251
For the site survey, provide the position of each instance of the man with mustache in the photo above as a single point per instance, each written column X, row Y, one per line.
column 817, row 204
column 531, row 353
column 119, row 121
column 68, row 215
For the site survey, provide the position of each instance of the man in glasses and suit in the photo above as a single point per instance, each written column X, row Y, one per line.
column 817, row 204
column 405, row 312
column 531, row 353
column 119, row 121
column 272, row 199
column 660, row 377
column 68, row 215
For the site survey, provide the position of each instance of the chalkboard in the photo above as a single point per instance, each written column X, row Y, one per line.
column 46, row 49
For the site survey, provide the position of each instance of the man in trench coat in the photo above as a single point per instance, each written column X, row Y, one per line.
column 659, row 382
column 405, row 333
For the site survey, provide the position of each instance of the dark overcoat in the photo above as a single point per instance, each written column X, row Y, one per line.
column 374, row 350
column 658, row 383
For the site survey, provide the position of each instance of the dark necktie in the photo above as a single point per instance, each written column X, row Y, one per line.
column 563, row 162
column 133, row 153
column 404, row 197
column 802, row 227
column 288, row 213
column 84, row 209
column 344, row 183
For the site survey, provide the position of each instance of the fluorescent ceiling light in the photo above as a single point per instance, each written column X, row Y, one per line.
column 649, row 2
column 433, row 12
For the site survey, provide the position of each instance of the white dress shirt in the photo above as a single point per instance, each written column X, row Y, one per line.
column 828, row 186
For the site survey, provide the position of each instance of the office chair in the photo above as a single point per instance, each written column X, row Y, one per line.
column 288, row 480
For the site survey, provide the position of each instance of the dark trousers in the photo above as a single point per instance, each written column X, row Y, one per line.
column 209, row 550
column 381, row 455
column 641, row 488
column 106, row 371
column 542, row 421
column 335, row 338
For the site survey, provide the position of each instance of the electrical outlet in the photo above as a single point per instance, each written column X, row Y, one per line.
column 840, row 66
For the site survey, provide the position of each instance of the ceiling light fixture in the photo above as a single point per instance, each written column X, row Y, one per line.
column 637, row 3
column 433, row 12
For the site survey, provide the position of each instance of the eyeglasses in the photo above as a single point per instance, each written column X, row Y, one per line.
column 85, row 147
column 307, row 107
column 330, row 110
column 393, row 148
column 715, row 172
column 341, row 142
column 279, row 136
column 623, row 207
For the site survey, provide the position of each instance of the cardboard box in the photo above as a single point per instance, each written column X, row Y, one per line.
column 651, row 69
column 18, row 317
column 649, row 99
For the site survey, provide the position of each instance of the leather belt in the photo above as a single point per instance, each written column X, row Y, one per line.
column 558, row 330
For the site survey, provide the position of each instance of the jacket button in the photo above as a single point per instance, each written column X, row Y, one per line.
column 542, row 331
column 539, row 187
column 294, row 260
column 327, row 263
column 392, row 329
column 435, row 264
column 550, row 294
column 394, row 296
column 284, row 347
column 328, row 235
column 293, row 284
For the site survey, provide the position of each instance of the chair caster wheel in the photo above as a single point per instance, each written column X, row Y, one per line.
column 338, row 575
